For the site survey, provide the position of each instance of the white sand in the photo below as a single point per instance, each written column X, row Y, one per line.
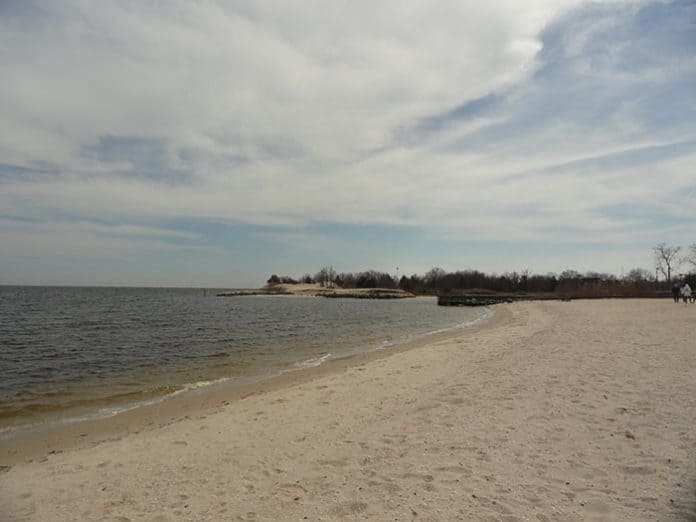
column 558, row 411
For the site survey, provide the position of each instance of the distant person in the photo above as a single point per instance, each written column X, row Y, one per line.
column 686, row 292
column 676, row 290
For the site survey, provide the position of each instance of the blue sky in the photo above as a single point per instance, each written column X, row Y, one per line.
column 215, row 143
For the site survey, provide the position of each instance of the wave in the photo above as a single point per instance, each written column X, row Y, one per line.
column 486, row 314
column 127, row 402
column 311, row 363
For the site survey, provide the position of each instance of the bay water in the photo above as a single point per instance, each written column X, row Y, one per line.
column 69, row 353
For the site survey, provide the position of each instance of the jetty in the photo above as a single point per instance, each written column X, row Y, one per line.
column 316, row 290
column 493, row 299
column 261, row 291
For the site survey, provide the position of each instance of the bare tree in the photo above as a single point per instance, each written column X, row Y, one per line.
column 666, row 259
column 570, row 274
column 637, row 275
column 691, row 256
column 321, row 277
column 331, row 275
column 326, row 276
column 434, row 276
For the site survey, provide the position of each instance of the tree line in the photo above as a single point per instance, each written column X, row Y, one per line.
column 637, row 281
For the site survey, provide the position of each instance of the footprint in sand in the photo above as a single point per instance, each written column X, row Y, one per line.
column 461, row 470
column 638, row 470
column 392, row 487
column 422, row 476
column 337, row 463
column 345, row 509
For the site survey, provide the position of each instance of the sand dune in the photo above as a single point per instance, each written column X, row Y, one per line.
column 555, row 411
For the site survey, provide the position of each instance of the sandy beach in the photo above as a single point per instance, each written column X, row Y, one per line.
column 552, row 411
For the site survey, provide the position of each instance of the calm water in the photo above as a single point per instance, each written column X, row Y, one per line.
column 70, row 352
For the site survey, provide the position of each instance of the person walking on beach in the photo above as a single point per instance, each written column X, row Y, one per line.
column 686, row 292
column 676, row 290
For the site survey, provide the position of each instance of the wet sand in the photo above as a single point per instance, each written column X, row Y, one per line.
column 552, row 411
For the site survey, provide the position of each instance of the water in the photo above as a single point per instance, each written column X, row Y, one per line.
column 70, row 352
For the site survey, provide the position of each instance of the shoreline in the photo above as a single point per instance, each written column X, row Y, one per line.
column 30, row 442
column 550, row 411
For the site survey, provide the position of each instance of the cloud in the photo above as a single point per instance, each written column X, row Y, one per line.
column 240, row 79
column 33, row 238
column 490, row 121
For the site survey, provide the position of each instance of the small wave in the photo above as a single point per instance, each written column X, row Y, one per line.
column 484, row 317
column 171, row 391
column 161, row 394
column 22, row 409
column 218, row 354
column 312, row 363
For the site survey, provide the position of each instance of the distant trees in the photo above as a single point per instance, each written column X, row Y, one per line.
column 666, row 259
column 567, row 275
column 637, row 282
column 691, row 256
column 636, row 275
column 366, row 279
column 640, row 280
column 437, row 280
column 275, row 280
column 326, row 276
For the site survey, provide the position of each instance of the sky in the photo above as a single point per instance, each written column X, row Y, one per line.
column 213, row 143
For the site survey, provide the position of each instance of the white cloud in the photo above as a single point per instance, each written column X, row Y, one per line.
column 235, row 78
column 284, row 113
